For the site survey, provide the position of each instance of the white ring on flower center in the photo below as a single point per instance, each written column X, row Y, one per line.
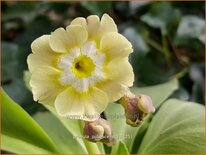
column 66, row 62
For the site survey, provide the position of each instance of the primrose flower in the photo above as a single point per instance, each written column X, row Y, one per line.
column 82, row 68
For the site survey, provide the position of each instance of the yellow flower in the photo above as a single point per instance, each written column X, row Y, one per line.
column 81, row 69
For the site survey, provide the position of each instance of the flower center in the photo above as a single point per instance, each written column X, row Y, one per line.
column 83, row 66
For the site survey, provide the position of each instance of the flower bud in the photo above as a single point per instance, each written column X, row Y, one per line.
column 145, row 104
column 99, row 130
column 136, row 107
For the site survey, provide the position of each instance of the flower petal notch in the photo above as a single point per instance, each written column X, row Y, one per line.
column 74, row 69
column 137, row 107
column 99, row 130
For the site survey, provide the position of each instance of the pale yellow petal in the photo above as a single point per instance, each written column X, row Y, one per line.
column 113, row 90
column 107, row 24
column 86, row 106
column 96, row 103
column 93, row 25
column 96, row 28
column 69, row 104
column 42, row 55
column 41, row 44
column 120, row 76
column 62, row 41
column 79, row 21
column 120, row 71
column 59, row 41
column 115, row 45
column 77, row 35
column 45, row 84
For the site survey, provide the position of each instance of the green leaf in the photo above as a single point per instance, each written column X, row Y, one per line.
column 178, row 127
column 191, row 27
column 158, row 93
column 23, row 10
column 115, row 112
column 157, row 17
column 65, row 141
column 19, row 93
column 27, row 77
column 58, row 7
column 16, row 145
column 35, row 29
column 9, row 61
column 19, row 128
column 119, row 148
column 97, row 8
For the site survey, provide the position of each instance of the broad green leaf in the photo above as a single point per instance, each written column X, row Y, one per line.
column 178, row 127
column 15, row 145
column 9, row 61
column 97, row 8
column 56, row 6
column 135, row 5
column 34, row 30
column 119, row 148
column 158, row 93
column 191, row 27
column 115, row 112
column 19, row 128
column 157, row 16
column 23, row 10
column 65, row 141
column 19, row 93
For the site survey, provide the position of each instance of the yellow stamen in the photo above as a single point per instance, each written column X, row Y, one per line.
column 83, row 66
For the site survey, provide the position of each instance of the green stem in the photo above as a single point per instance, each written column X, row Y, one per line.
column 92, row 148
column 165, row 48
column 180, row 74
column 154, row 45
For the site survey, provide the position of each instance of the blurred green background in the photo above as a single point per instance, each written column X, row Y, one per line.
column 167, row 37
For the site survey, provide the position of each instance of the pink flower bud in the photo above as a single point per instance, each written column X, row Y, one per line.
column 145, row 104
column 136, row 107
column 99, row 130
